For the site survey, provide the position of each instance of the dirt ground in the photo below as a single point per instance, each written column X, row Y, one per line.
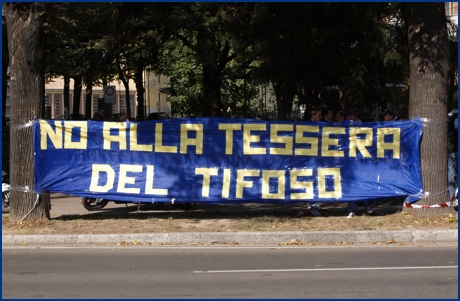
column 230, row 218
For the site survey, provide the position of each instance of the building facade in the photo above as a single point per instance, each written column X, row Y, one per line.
column 155, row 101
column 452, row 11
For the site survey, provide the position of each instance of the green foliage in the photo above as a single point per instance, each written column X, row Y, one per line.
column 303, row 50
column 451, row 219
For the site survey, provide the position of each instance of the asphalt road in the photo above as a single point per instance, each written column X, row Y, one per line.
column 427, row 271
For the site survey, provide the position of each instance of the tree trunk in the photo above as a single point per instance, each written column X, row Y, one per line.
column 429, row 67
column 76, row 98
column 211, row 89
column 211, row 75
column 4, row 87
column 125, row 82
column 140, row 88
column 128, row 100
column 26, row 44
column 283, row 104
column 66, row 94
column 89, row 96
column 279, row 102
column 4, row 74
column 382, row 83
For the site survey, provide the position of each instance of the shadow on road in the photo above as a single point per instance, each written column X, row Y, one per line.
column 227, row 211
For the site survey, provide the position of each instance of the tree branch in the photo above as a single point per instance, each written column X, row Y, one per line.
column 186, row 42
column 231, row 73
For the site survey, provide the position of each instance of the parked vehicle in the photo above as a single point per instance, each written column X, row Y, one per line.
column 5, row 195
column 158, row 116
column 95, row 204
column 116, row 116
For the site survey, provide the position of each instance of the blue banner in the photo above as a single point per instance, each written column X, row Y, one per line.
column 228, row 160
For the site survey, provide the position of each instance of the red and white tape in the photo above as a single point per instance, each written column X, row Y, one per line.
column 449, row 204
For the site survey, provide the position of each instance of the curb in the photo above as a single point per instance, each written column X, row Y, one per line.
column 238, row 238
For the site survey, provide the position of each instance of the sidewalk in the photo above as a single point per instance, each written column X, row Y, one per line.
column 65, row 204
column 238, row 238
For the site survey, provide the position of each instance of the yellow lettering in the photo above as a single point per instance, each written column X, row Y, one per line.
column 197, row 141
column 248, row 138
column 229, row 128
column 286, row 140
column 300, row 139
column 124, row 179
column 360, row 144
column 149, row 179
column 206, row 173
column 68, row 129
column 242, row 183
column 47, row 131
column 327, row 141
column 133, row 145
column 335, row 173
column 393, row 146
column 307, row 186
column 281, row 178
column 226, row 184
column 120, row 138
column 159, row 147
column 97, row 169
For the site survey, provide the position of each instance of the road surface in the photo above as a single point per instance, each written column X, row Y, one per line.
column 420, row 271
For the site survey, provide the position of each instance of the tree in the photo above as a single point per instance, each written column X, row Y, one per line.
column 131, row 29
column 214, row 33
column 429, row 57
column 75, row 42
column 64, row 35
column 453, row 78
column 4, row 69
column 302, row 49
column 378, row 57
column 27, row 48
column 309, row 47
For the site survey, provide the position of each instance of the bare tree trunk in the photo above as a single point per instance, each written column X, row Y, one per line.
column 89, row 96
column 211, row 90
column 382, row 83
column 76, row 97
column 211, row 75
column 126, row 86
column 127, row 100
column 429, row 68
column 26, row 44
column 4, row 76
column 279, row 101
column 4, row 86
column 66, row 94
column 140, row 88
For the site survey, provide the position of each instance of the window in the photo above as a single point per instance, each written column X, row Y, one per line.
column 57, row 105
column 84, row 109
column 451, row 8
column 131, row 103
column 95, row 104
